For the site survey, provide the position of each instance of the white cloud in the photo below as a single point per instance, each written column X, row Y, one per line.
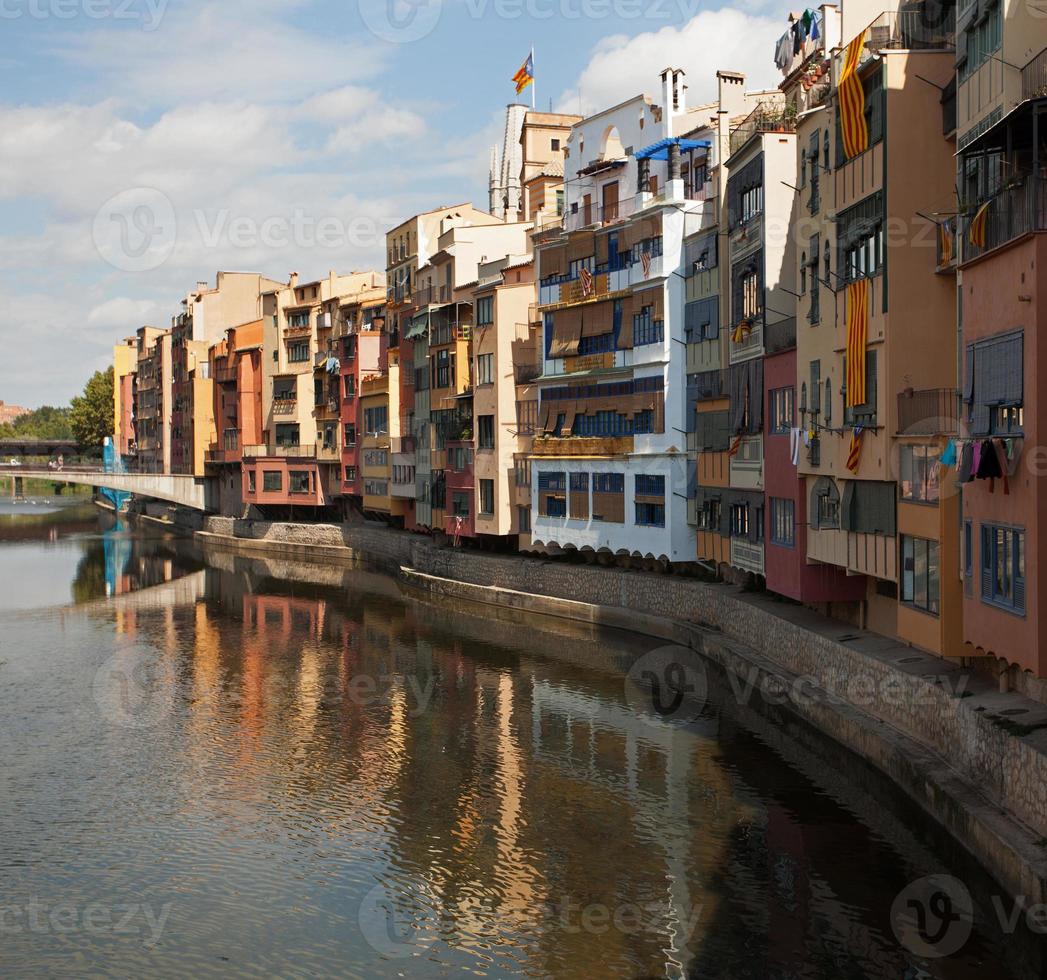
column 621, row 67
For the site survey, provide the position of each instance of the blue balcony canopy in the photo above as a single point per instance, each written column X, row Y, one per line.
column 660, row 150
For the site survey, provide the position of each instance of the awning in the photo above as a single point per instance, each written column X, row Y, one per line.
column 660, row 150
column 419, row 325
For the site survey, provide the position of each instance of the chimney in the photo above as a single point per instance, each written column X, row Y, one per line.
column 679, row 90
column 293, row 280
column 667, row 100
column 731, row 92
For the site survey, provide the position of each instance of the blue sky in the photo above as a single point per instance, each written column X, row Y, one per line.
column 276, row 135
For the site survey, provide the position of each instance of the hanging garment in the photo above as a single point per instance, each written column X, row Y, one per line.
column 797, row 40
column 1014, row 454
column 965, row 472
column 816, row 31
column 783, row 52
column 976, row 460
column 948, row 457
column 988, row 463
column 794, row 446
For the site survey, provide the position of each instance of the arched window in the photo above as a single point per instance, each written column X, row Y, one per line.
column 828, row 402
column 612, row 145
column 827, row 269
column 825, row 505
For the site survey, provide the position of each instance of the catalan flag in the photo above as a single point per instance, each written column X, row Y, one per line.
column 945, row 241
column 976, row 230
column 587, row 282
column 857, row 332
column 741, row 332
column 854, row 454
column 525, row 76
column 732, row 450
column 853, row 127
column 645, row 263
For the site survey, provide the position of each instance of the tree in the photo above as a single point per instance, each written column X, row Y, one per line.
column 41, row 423
column 91, row 414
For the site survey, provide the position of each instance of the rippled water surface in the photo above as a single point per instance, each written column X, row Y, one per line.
column 220, row 766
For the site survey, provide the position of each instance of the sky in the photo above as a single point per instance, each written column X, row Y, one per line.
column 146, row 144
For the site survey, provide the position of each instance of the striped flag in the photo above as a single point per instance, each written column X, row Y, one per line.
column 857, row 331
column 741, row 332
column 853, row 127
column 976, row 231
column 945, row 241
column 525, row 76
column 587, row 282
column 645, row 263
column 735, row 446
column 854, row 454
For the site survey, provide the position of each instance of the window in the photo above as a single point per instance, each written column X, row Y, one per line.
column 250, row 481
column 919, row 474
column 782, row 410
column 522, row 473
column 981, row 38
column 459, row 458
column 859, row 239
column 825, row 504
column 554, row 143
column 523, row 520
column 526, row 417
column 828, row 406
column 783, row 522
column 287, row 434
column 643, row 422
column 376, row 488
column 272, row 481
column 350, row 434
column 816, row 387
column 285, row 389
column 485, row 369
column 921, row 586
column 443, row 369
column 579, row 498
column 739, row 520
column 709, row 515
column 376, row 420
column 350, row 386
column 403, row 473
column 645, row 329
column 751, row 202
column 559, row 210
column 968, row 549
column 1005, row 419
column 814, row 314
column 487, row 496
column 350, row 474
column 650, row 500
column 298, row 319
column 1003, row 567
column 552, row 496
column 484, row 311
column 864, row 414
column 485, row 432
column 376, row 457
column 297, row 351
column 298, row 481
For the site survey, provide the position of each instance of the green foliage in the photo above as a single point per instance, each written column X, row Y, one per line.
column 91, row 414
column 42, row 423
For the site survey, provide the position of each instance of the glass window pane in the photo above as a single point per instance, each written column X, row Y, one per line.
column 907, row 569
column 920, row 574
column 933, row 578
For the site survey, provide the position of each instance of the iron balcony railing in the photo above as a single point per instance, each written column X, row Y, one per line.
column 928, row 412
column 281, row 450
column 768, row 117
column 1014, row 211
column 582, row 215
column 1034, row 77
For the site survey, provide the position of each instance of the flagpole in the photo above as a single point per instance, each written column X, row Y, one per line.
column 534, row 81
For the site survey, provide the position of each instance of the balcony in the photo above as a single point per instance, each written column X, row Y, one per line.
column 1016, row 210
column 279, row 451
column 775, row 116
column 374, row 384
column 747, row 555
column 597, row 216
column 749, row 344
column 285, row 406
column 329, row 454
column 1034, row 77
column 747, row 464
column 928, row 412
column 926, row 27
column 582, row 446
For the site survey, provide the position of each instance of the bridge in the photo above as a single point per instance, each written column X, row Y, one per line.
column 186, row 491
column 10, row 448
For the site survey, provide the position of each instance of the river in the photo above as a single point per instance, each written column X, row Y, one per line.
column 220, row 766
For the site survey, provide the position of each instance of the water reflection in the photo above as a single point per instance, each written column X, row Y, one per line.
column 320, row 776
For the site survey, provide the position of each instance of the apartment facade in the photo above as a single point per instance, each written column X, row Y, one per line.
column 1001, row 111
column 152, row 400
column 609, row 455
column 125, row 367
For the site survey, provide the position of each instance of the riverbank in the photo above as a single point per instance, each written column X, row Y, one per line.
column 973, row 758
